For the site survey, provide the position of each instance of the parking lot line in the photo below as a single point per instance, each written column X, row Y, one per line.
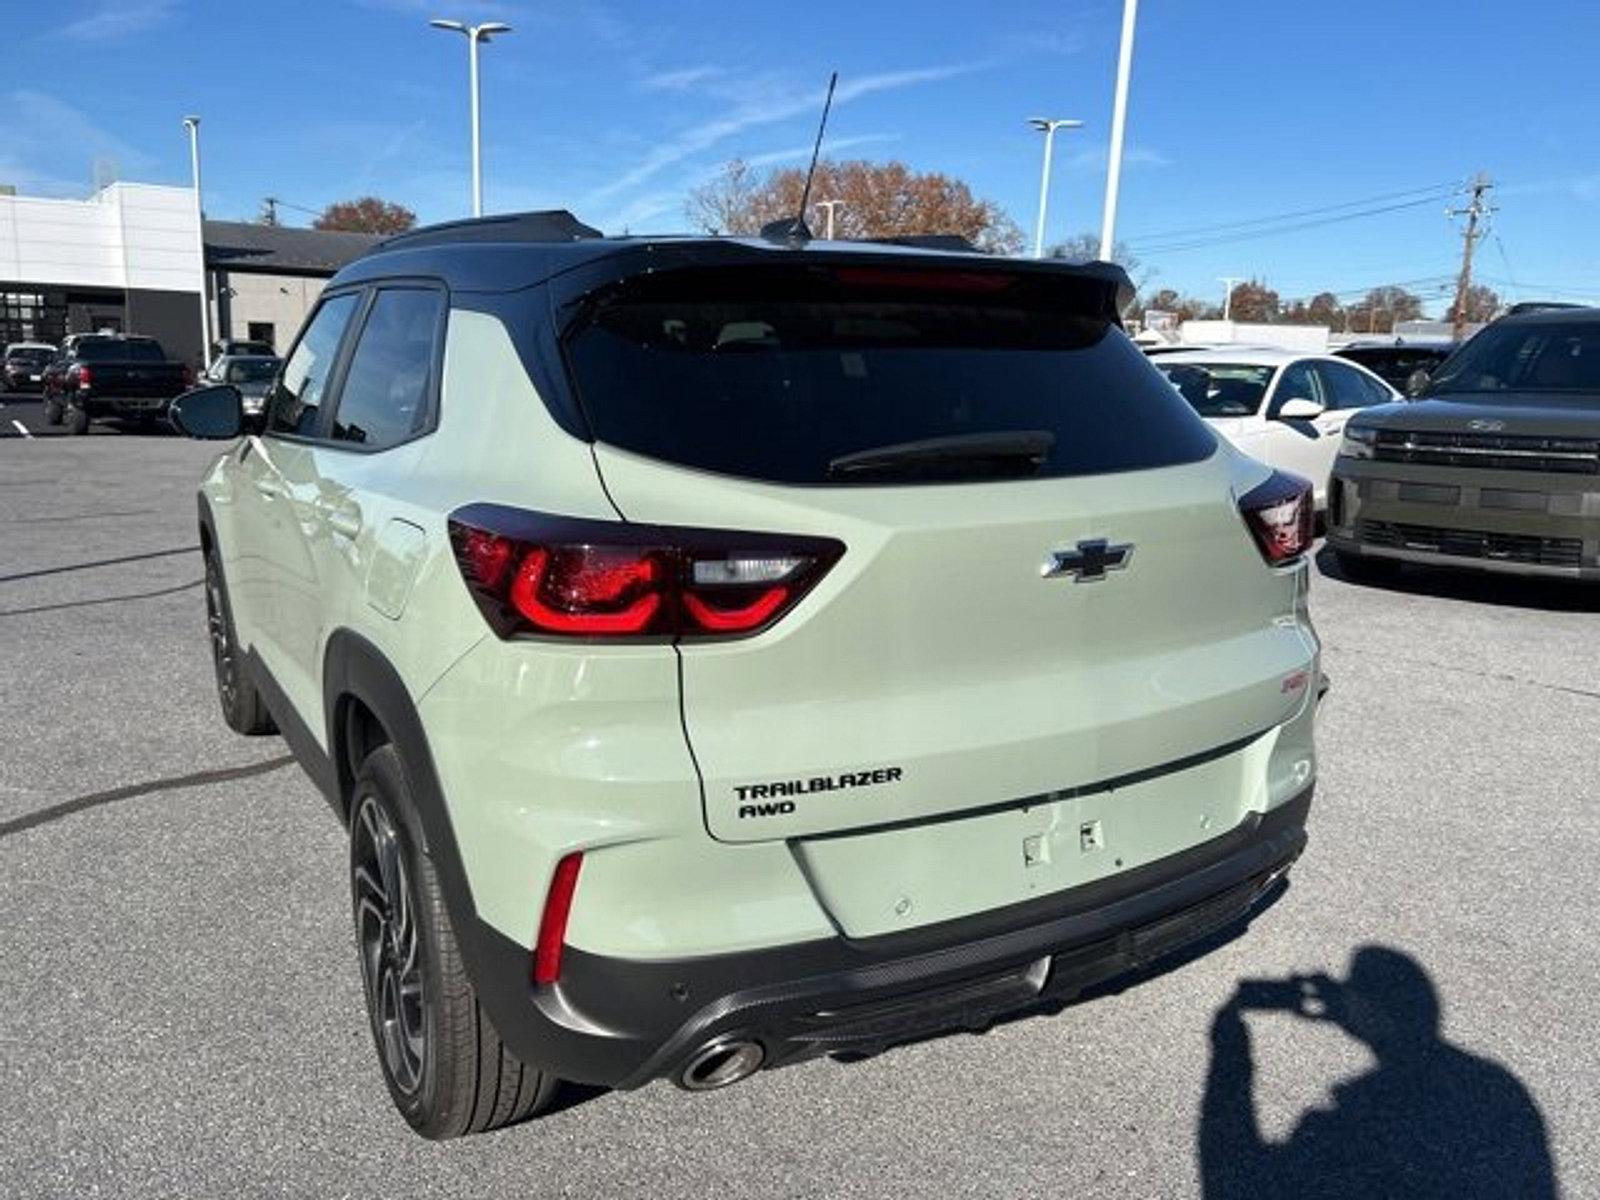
column 22, row 429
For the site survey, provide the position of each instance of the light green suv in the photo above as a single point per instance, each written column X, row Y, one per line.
column 726, row 652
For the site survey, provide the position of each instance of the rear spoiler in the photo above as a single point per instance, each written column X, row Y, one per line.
column 1096, row 289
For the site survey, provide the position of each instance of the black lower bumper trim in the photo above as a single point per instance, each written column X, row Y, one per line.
column 622, row 1023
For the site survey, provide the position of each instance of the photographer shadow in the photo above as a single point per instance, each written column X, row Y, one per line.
column 1430, row 1120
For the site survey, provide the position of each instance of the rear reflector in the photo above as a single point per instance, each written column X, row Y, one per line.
column 1279, row 515
column 534, row 574
column 553, row 925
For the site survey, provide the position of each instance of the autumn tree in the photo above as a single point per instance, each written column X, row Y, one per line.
column 1482, row 303
column 1324, row 309
column 1382, row 308
column 875, row 200
column 367, row 214
column 1253, row 301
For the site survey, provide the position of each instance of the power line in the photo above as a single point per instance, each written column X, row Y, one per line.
column 1436, row 191
column 1201, row 243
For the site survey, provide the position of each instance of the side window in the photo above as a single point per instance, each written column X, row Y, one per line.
column 298, row 395
column 1377, row 391
column 384, row 399
column 1298, row 382
column 1347, row 387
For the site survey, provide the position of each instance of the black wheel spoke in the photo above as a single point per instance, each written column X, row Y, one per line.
column 388, row 940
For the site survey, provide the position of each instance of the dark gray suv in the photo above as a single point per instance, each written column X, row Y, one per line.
column 1495, row 467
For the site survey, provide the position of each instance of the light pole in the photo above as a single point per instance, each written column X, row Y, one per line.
column 1119, row 115
column 1048, row 127
column 1230, row 282
column 830, row 205
column 192, row 124
column 474, row 35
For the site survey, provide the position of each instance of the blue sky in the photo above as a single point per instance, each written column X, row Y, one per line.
column 1240, row 109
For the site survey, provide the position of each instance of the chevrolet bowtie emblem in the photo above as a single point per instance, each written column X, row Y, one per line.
column 1089, row 560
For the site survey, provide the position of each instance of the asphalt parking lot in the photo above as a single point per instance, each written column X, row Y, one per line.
column 182, row 1014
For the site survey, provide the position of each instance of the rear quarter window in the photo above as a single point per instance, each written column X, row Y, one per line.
column 777, row 373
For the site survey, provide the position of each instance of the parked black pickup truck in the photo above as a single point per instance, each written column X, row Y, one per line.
column 110, row 375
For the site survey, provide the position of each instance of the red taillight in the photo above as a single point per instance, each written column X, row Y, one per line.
column 540, row 575
column 1279, row 515
column 82, row 374
column 553, row 924
column 587, row 590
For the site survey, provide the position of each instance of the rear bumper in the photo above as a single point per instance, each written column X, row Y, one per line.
column 622, row 1023
column 1514, row 523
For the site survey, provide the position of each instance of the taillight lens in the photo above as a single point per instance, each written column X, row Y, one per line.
column 533, row 574
column 1279, row 516
column 82, row 375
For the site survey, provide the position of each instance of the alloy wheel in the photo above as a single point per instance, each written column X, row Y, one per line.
column 222, row 655
column 391, row 960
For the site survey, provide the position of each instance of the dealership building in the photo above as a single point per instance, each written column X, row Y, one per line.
column 128, row 259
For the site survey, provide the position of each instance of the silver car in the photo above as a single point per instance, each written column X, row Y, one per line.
column 252, row 374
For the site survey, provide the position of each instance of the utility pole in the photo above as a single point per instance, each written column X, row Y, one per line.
column 270, row 216
column 1230, row 282
column 1476, row 211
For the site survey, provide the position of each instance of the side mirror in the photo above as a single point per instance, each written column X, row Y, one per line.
column 1417, row 383
column 1299, row 409
column 213, row 413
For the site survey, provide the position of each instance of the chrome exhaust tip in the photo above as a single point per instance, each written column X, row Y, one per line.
column 719, row 1063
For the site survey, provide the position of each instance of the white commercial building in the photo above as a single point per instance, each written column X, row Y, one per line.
column 128, row 259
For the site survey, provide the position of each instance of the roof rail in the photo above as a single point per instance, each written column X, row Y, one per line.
column 549, row 225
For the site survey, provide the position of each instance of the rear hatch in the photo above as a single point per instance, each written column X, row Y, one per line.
column 972, row 438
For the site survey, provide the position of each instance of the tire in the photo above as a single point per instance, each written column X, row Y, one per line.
column 52, row 410
column 447, row 1071
column 242, row 706
column 1360, row 569
column 77, row 419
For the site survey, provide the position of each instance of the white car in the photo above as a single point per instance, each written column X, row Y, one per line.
column 1284, row 408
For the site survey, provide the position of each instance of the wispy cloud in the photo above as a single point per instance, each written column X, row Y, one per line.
column 782, row 104
column 113, row 19
column 681, row 79
column 44, row 138
column 1097, row 158
column 831, row 146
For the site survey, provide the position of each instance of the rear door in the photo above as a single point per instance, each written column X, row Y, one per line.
column 997, row 629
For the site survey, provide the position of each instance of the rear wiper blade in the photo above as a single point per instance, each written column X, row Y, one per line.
column 1011, row 451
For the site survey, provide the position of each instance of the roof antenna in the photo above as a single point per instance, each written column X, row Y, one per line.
column 793, row 231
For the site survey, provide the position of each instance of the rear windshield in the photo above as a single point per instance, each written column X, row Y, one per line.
column 120, row 350
column 252, row 370
column 1545, row 357
column 1219, row 389
column 780, row 373
column 33, row 357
